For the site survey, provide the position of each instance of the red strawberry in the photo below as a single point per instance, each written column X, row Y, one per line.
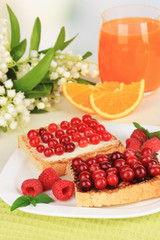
column 32, row 187
column 48, row 177
column 138, row 134
column 133, row 143
column 63, row 189
column 153, row 143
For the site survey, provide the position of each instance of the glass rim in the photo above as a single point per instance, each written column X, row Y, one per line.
column 128, row 5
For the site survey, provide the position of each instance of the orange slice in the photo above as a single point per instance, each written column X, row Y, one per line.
column 113, row 100
column 78, row 95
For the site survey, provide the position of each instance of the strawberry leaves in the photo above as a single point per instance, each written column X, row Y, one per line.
column 148, row 134
column 26, row 200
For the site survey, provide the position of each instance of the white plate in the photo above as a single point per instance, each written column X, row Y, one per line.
column 19, row 168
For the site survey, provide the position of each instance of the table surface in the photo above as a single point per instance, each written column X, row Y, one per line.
column 17, row 225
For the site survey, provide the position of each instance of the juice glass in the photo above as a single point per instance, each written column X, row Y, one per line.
column 129, row 45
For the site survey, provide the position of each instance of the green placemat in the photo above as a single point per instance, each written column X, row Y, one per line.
column 18, row 225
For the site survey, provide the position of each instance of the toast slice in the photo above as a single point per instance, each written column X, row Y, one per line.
column 123, row 193
column 59, row 163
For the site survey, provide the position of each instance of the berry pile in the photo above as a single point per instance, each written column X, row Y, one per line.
column 67, row 136
column 48, row 180
column 138, row 140
column 108, row 171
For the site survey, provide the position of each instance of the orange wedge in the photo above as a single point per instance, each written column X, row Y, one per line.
column 113, row 100
column 78, row 95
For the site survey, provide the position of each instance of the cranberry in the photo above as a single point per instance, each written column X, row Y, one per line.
column 94, row 167
column 135, row 164
column 119, row 162
column 52, row 142
column 90, row 161
column 70, row 131
column 42, row 130
column 69, row 147
column 76, row 136
column 46, row 136
column 64, row 125
column 145, row 158
column 106, row 136
column 85, row 185
column 116, row 155
column 99, row 129
column 146, row 150
column 52, row 127
column 83, row 142
column 84, row 175
column 75, row 121
column 40, row 148
column 127, row 175
column 112, row 179
column 95, row 139
column 140, row 172
column 112, row 170
column 76, row 161
column 98, row 173
column 64, row 139
column 123, row 168
column 106, row 165
column 92, row 124
column 88, row 132
column 32, row 133
column 34, row 141
column 59, row 149
column 48, row 152
column 102, row 158
column 128, row 153
column 86, row 118
column 81, row 127
column 82, row 167
column 151, row 163
column 131, row 160
column 154, row 170
column 100, row 182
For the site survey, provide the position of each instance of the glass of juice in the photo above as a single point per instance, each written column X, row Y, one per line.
column 129, row 45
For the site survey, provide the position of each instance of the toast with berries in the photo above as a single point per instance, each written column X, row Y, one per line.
column 56, row 145
column 116, row 183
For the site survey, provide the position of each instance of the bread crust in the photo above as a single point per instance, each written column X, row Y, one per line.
column 124, row 194
column 60, row 165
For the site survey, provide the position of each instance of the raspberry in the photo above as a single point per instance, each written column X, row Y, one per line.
column 31, row 187
column 133, row 143
column 63, row 189
column 153, row 143
column 138, row 134
column 48, row 177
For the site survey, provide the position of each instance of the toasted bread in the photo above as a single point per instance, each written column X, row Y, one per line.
column 124, row 193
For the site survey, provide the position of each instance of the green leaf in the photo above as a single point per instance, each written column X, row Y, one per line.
column 4, row 129
column 36, row 35
column 33, row 202
column 38, row 111
column 15, row 30
column 84, row 81
column 138, row 126
column 43, row 198
column 45, row 50
column 60, row 40
column 155, row 134
column 41, row 90
column 31, row 79
column 22, row 201
column 68, row 42
column 86, row 55
column 18, row 51
column 46, row 78
column 11, row 73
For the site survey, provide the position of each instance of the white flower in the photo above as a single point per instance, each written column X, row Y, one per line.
column 11, row 93
column 56, row 94
column 79, row 56
column 69, row 53
column 3, row 122
column 53, row 75
column 27, row 102
column 61, row 81
column 33, row 54
column 53, row 64
column 1, row 74
column 76, row 75
column 66, row 74
column 78, row 65
column 7, row 116
column 20, row 95
column 13, row 125
column 3, row 101
column 8, row 83
column 30, row 107
column 40, row 105
column 17, row 100
column 2, row 90
column 11, row 109
column 20, row 108
column 70, row 63
column 3, row 67
column 60, row 70
column 84, row 66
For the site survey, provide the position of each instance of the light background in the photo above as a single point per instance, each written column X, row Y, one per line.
column 78, row 16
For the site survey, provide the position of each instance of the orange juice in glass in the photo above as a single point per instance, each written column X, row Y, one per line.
column 129, row 45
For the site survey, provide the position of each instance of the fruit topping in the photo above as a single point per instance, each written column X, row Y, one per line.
column 31, row 187
column 76, row 161
column 64, row 125
column 112, row 180
column 86, row 118
column 69, row 147
column 52, row 127
column 88, row 132
column 75, row 121
column 133, row 143
column 48, row 177
column 42, row 130
column 48, row 152
column 92, row 124
column 83, row 142
column 106, row 136
column 46, row 136
column 52, row 142
column 32, row 133
column 76, row 136
column 102, row 158
column 139, row 135
column 153, row 143
column 64, row 139
column 34, row 141
column 71, row 130
column 63, row 189
column 40, row 148
column 94, row 139
column 59, row 133
column 81, row 127
column 116, row 155
column 59, row 149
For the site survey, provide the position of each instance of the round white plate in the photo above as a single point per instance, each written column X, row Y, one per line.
column 19, row 168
